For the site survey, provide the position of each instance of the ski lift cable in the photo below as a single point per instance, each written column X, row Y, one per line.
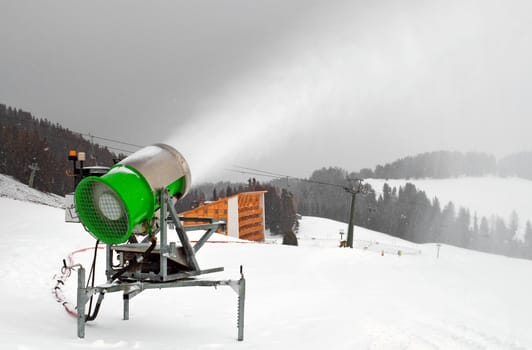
column 252, row 173
column 264, row 172
column 119, row 149
column 112, row 140
column 92, row 137
column 281, row 176
column 258, row 172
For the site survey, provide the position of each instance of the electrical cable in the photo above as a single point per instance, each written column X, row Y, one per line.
column 92, row 274
column 66, row 271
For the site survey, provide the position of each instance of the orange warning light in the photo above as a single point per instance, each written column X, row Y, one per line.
column 72, row 155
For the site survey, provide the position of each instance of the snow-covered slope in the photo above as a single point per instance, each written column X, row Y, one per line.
column 12, row 188
column 484, row 195
column 314, row 296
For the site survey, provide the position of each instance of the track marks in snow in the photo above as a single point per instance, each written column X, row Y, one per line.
column 434, row 335
column 103, row 344
column 449, row 335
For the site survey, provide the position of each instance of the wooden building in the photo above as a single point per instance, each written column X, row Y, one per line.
column 243, row 212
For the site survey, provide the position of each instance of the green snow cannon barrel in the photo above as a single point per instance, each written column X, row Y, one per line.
column 112, row 205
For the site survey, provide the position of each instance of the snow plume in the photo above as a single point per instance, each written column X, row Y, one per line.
column 250, row 119
column 365, row 84
column 316, row 82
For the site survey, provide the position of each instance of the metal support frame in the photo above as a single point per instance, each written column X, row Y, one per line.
column 81, row 301
column 351, row 226
column 132, row 289
column 132, row 284
column 168, row 250
column 354, row 190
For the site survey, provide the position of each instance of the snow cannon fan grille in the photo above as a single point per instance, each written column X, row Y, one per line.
column 112, row 205
column 104, row 214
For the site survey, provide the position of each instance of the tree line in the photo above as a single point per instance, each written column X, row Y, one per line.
column 446, row 164
column 27, row 141
column 408, row 213
column 405, row 212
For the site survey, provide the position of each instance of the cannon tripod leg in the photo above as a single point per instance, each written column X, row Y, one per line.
column 83, row 296
column 131, row 289
column 241, row 303
column 81, row 301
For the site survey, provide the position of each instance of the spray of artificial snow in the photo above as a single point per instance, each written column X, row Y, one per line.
column 320, row 78
column 358, row 73
column 249, row 120
column 267, row 111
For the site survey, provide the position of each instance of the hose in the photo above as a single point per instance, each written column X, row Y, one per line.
column 60, row 279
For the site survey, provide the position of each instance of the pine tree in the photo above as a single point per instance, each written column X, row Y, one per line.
column 475, row 232
column 435, row 234
column 229, row 191
column 272, row 203
column 513, row 225
column 447, row 223
column 484, row 235
column 289, row 238
column 288, row 212
column 462, row 232
column 528, row 240
column 500, row 235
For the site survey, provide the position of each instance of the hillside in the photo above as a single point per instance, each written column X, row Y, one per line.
column 486, row 196
column 13, row 189
column 447, row 164
column 313, row 296
column 30, row 141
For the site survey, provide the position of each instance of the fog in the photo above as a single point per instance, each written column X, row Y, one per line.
column 287, row 87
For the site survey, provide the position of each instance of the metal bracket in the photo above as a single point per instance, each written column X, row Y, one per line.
column 132, row 289
column 183, row 255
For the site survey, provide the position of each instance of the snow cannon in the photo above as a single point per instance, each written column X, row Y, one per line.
column 126, row 199
column 137, row 197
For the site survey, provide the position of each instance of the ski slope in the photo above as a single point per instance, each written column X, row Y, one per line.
column 485, row 196
column 314, row 296
column 11, row 188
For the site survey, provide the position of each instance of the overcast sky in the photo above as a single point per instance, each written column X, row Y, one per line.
column 284, row 86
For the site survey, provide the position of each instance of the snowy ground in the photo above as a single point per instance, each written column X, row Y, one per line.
column 484, row 195
column 11, row 188
column 314, row 296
